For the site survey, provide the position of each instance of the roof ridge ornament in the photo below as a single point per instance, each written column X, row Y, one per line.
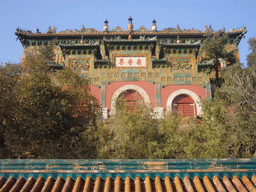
column 177, row 27
column 208, row 29
column 52, row 30
column 154, row 27
column 118, row 29
column 142, row 29
column 82, row 29
column 130, row 25
column 105, row 28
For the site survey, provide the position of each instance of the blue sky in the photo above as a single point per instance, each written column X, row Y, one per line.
column 66, row 14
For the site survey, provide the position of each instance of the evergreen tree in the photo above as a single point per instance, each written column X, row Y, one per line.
column 215, row 48
column 251, row 58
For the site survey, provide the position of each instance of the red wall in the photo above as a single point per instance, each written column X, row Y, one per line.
column 95, row 91
column 146, row 86
column 168, row 90
column 149, row 88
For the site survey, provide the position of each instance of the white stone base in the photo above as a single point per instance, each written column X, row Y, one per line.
column 158, row 112
column 104, row 113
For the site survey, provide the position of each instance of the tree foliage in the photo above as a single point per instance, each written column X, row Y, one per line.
column 128, row 133
column 38, row 58
column 137, row 134
column 45, row 115
column 215, row 48
column 9, row 78
column 251, row 58
column 239, row 95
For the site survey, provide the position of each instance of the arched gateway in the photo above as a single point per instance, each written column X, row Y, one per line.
column 184, row 105
column 184, row 101
column 128, row 89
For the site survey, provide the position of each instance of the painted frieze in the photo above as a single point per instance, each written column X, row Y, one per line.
column 80, row 64
column 181, row 64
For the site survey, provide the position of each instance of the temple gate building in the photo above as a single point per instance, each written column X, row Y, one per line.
column 161, row 68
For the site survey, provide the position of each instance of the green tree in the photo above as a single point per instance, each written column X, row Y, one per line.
column 51, row 112
column 50, row 120
column 37, row 58
column 251, row 58
column 214, row 48
column 240, row 93
column 128, row 134
column 169, row 141
column 231, row 115
column 9, row 78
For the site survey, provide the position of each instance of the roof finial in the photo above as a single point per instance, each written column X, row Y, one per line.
column 130, row 20
column 105, row 28
column 130, row 25
column 154, row 28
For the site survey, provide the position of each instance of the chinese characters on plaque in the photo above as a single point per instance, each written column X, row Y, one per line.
column 131, row 62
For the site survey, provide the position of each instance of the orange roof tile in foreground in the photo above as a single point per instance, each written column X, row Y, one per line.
column 128, row 175
column 127, row 185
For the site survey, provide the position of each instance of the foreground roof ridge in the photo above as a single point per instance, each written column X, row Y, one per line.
column 123, row 168
column 128, row 175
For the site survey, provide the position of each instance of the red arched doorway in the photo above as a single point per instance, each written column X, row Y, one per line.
column 131, row 97
column 184, row 105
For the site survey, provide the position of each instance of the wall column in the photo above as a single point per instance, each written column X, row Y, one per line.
column 158, row 110
column 103, row 102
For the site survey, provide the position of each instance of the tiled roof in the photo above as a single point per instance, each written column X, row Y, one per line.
column 128, row 175
column 116, row 33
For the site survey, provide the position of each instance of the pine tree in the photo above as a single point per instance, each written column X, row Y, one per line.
column 215, row 48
